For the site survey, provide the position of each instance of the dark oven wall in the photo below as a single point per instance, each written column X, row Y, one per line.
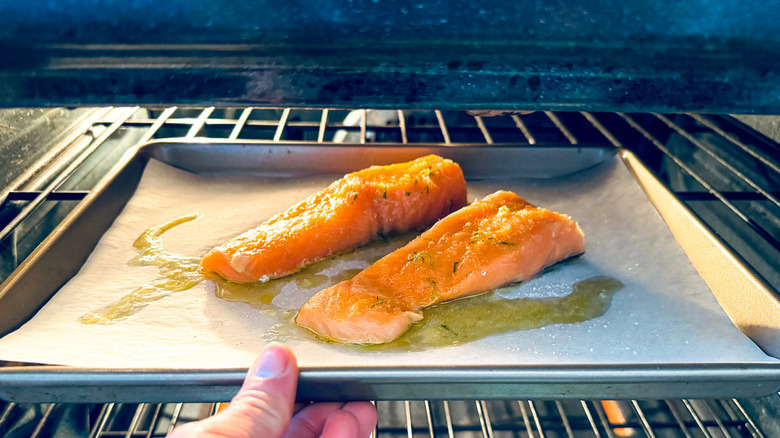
column 605, row 55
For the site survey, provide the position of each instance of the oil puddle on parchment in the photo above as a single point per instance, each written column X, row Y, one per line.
column 452, row 323
column 177, row 273
column 473, row 318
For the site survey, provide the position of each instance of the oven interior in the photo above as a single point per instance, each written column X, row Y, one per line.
column 727, row 171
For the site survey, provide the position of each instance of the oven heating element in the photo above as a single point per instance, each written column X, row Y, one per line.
column 725, row 172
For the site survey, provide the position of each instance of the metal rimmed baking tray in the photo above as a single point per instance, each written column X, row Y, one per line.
column 620, row 217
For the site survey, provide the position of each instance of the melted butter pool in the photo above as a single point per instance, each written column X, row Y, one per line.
column 473, row 318
column 177, row 273
column 261, row 295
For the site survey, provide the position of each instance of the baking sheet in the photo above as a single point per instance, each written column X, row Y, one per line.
column 665, row 314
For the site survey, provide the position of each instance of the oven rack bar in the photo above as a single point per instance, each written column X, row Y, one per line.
column 77, row 195
column 432, row 418
column 710, row 188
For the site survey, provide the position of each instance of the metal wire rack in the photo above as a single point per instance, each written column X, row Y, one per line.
column 725, row 172
column 467, row 419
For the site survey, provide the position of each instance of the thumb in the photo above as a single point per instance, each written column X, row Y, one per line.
column 264, row 404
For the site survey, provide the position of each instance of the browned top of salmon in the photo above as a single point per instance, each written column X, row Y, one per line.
column 497, row 240
column 362, row 205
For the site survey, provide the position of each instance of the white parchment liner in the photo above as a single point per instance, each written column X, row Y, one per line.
column 664, row 314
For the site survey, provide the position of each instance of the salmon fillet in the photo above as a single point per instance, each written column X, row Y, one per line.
column 494, row 241
column 361, row 206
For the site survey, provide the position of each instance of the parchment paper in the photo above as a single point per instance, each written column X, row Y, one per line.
column 664, row 314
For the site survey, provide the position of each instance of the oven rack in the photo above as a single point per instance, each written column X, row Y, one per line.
column 725, row 172
column 461, row 418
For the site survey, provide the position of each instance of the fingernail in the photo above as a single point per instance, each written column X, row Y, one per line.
column 272, row 363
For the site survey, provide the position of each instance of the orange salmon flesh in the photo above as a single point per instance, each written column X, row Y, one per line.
column 361, row 206
column 494, row 241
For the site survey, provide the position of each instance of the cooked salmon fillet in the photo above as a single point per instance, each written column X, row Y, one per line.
column 494, row 241
column 361, row 206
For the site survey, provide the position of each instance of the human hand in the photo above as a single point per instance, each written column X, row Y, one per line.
column 264, row 407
